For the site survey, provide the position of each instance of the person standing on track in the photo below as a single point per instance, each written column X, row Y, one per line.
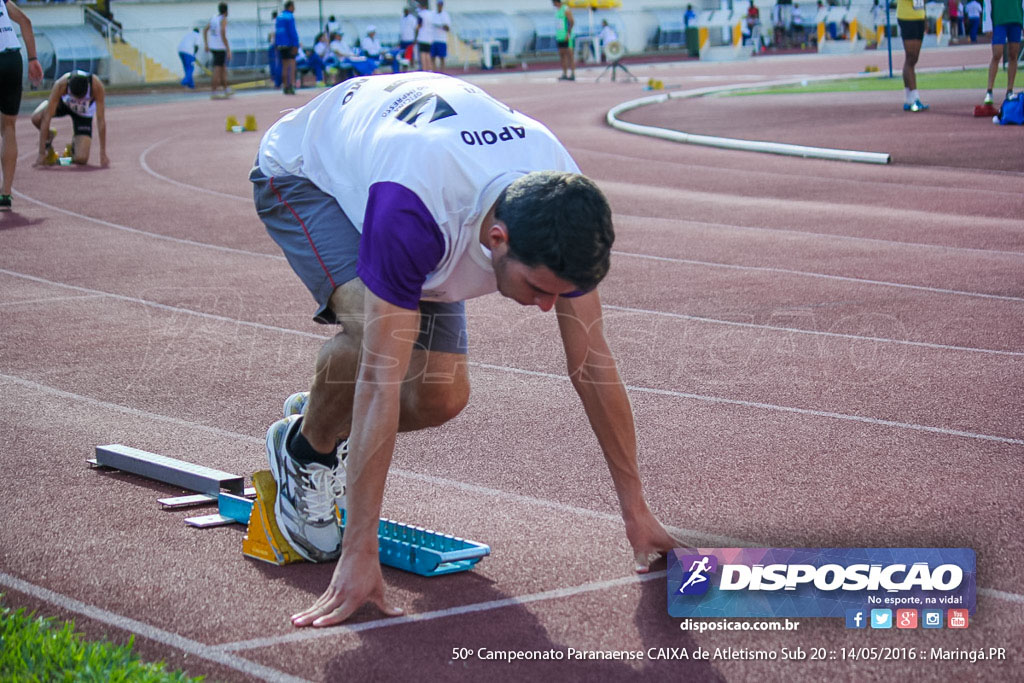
column 1007, row 20
column 564, row 40
column 286, row 38
column 910, row 17
column 395, row 198
column 10, row 88
column 187, row 49
column 81, row 96
column 215, row 41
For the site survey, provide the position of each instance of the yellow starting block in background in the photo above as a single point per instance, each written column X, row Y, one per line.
column 264, row 541
column 250, row 122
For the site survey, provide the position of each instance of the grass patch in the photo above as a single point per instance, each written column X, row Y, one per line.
column 34, row 648
column 970, row 79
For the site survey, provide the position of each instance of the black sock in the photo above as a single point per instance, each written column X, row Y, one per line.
column 305, row 454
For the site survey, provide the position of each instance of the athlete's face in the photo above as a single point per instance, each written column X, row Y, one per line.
column 528, row 286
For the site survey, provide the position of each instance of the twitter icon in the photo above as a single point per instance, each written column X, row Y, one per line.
column 881, row 618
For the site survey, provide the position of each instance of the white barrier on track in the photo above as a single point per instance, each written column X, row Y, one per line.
column 734, row 143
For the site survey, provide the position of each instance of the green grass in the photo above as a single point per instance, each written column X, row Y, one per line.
column 38, row 649
column 969, row 79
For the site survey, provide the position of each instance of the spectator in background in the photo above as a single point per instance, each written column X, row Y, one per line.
column 439, row 46
column 954, row 8
column 1007, row 20
column 215, row 41
column 187, row 50
column 424, row 35
column 689, row 16
column 10, row 89
column 345, row 56
column 911, row 20
column 332, row 26
column 407, row 35
column 797, row 24
column 286, row 37
column 754, row 26
column 606, row 36
column 273, row 58
column 973, row 12
column 877, row 16
column 375, row 52
column 564, row 40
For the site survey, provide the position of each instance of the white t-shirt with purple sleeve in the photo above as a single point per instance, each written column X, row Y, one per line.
column 415, row 161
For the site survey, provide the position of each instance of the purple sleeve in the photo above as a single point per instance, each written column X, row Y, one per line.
column 401, row 245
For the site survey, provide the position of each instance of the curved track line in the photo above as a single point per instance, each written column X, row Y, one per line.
column 154, row 235
column 278, row 257
column 824, row 276
column 684, row 222
column 217, row 655
column 172, row 181
column 734, row 143
column 629, row 387
column 627, row 309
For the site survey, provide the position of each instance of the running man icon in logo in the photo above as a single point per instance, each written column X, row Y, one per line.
column 696, row 582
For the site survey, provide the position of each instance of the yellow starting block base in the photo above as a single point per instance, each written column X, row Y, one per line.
column 264, row 541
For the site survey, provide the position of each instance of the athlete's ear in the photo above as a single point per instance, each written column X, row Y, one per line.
column 497, row 235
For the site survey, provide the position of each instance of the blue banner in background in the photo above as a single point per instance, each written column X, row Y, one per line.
column 817, row 582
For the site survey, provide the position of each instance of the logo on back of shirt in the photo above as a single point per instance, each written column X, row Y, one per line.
column 433, row 105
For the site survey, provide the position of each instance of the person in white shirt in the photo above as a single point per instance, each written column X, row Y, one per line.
column 606, row 36
column 396, row 198
column 215, row 41
column 187, row 50
column 11, row 85
column 439, row 45
column 973, row 12
column 424, row 34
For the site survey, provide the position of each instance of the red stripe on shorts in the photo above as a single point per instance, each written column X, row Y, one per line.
column 304, row 230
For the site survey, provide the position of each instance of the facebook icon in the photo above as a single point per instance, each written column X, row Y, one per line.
column 856, row 618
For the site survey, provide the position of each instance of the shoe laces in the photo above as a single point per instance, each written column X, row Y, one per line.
column 321, row 486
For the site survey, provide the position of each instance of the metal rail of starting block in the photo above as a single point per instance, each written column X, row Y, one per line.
column 402, row 546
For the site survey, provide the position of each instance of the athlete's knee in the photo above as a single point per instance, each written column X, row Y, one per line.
column 438, row 403
column 7, row 124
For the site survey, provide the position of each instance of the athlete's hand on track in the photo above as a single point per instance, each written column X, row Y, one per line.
column 104, row 160
column 356, row 581
column 40, row 160
column 650, row 540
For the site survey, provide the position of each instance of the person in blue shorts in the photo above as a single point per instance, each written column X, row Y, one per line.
column 439, row 45
column 1007, row 20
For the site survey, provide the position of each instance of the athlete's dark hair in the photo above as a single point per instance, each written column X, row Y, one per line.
column 559, row 220
column 78, row 84
column 222, row 8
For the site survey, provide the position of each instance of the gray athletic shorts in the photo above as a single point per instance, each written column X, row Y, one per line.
column 322, row 246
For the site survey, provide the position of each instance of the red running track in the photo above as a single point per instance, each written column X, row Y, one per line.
column 818, row 354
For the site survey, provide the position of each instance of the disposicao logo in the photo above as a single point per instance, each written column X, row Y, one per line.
column 818, row 582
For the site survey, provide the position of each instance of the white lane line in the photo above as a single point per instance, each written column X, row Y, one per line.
column 823, row 276
column 714, row 539
column 214, row 654
column 154, row 235
column 718, row 541
column 686, row 222
column 627, row 309
column 629, row 387
column 773, row 407
column 190, row 188
column 52, row 300
column 794, row 330
column 711, row 264
column 301, row 635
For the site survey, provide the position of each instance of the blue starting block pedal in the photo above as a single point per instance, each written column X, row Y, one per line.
column 402, row 546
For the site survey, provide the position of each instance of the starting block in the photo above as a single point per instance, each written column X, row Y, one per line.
column 250, row 122
column 985, row 110
column 402, row 546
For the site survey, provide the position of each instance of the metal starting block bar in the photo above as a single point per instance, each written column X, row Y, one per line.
column 196, row 478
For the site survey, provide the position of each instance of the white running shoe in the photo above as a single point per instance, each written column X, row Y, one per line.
column 308, row 496
column 296, row 404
